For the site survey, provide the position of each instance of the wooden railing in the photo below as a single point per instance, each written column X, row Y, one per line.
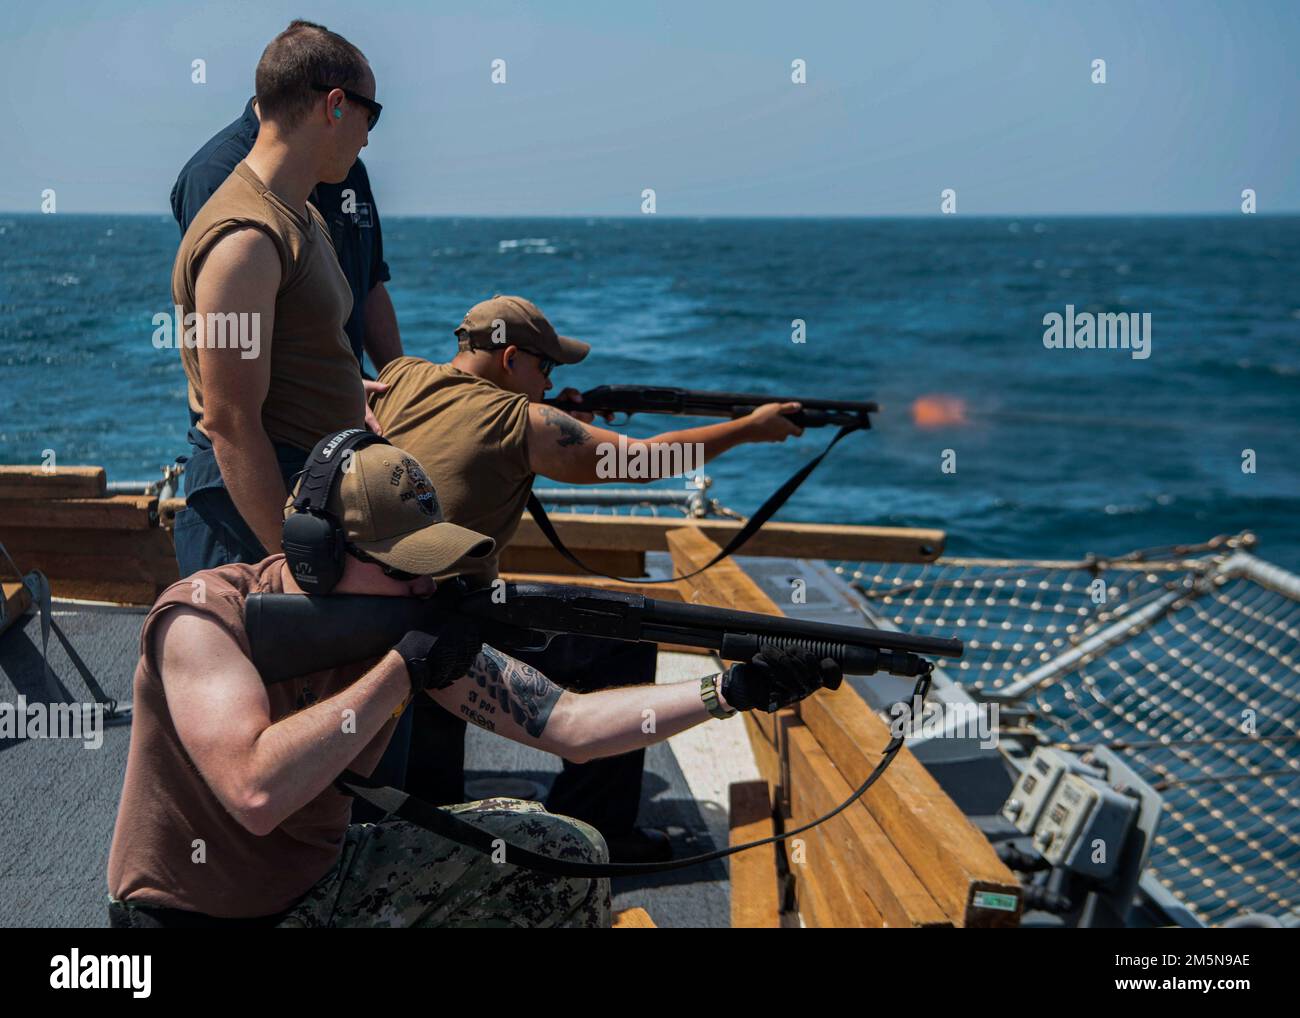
column 89, row 543
column 903, row 855
column 119, row 547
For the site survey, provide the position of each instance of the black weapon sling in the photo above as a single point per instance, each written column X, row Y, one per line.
column 764, row 512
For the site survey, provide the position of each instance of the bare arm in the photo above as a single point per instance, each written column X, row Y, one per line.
column 517, row 701
column 242, row 274
column 564, row 448
column 262, row 772
column 383, row 341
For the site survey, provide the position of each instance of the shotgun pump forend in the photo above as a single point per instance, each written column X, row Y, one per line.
column 644, row 399
column 295, row 634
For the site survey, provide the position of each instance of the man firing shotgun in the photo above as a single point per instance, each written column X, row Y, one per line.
column 480, row 426
column 229, row 815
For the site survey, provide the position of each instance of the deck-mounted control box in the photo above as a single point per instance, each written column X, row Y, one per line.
column 1036, row 784
column 1092, row 818
column 1085, row 825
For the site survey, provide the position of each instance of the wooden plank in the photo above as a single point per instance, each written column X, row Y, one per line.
column 29, row 482
column 814, row 867
column 952, row 859
column 765, row 754
column 632, row 919
column 766, row 724
column 118, row 545
column 725, row 584
column 102, row 568
column 616, row 562
column 15, row 599
column 661, row 591
column 869, row 863
column 114, row 591
column 114, row 512
column 799, row 540
column 583, row 532
column 849, row 908
column 813, row 860
column 810, row 900
column 754, row 900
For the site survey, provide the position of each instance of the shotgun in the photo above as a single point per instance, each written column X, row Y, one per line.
column 644, row 399
column 297, row 634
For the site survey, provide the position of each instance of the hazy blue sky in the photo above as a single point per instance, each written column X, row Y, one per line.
column 695, row 100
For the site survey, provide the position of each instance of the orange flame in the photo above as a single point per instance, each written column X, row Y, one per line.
column 938, row 411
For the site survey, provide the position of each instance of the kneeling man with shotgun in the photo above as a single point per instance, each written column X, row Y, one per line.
column 230, row 814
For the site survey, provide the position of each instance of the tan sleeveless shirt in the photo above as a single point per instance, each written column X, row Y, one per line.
column 167, row 805
column 315, row 385
column 471, row 437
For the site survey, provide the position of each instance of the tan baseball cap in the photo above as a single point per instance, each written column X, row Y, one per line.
column 505, row 321
column 389, row 510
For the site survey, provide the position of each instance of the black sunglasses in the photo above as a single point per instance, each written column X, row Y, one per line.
column 396, row 574
column 374, row 107
column 544, row 364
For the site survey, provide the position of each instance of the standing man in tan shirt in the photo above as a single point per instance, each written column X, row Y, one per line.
column 258, row 258
column 479, row 427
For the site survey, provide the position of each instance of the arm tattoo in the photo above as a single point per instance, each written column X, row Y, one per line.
column 571, row 432
column 518, row 689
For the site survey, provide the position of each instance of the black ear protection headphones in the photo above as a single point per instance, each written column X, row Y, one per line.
column 313, row 538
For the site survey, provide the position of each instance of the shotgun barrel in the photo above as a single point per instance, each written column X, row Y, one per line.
column 644, row 399
column 296, row 634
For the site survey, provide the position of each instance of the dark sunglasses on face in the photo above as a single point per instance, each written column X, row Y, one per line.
column 371, row 106
column 544, row 364
column 390, row 571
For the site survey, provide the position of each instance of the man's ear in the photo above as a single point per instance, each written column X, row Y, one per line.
column 508, row 357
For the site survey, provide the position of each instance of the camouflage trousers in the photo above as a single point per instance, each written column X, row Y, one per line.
column 396, row 874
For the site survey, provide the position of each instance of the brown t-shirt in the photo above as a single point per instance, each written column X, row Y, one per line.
column 167, row 805
column 471, row 437
column 315, row 386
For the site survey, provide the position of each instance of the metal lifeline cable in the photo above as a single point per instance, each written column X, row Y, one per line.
column 1016, row 569
column 1168, row 743
column 1223, row 779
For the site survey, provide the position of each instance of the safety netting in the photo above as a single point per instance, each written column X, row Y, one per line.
column 1185, row 660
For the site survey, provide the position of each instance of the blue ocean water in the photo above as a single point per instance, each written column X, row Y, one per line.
column 1064, row 451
